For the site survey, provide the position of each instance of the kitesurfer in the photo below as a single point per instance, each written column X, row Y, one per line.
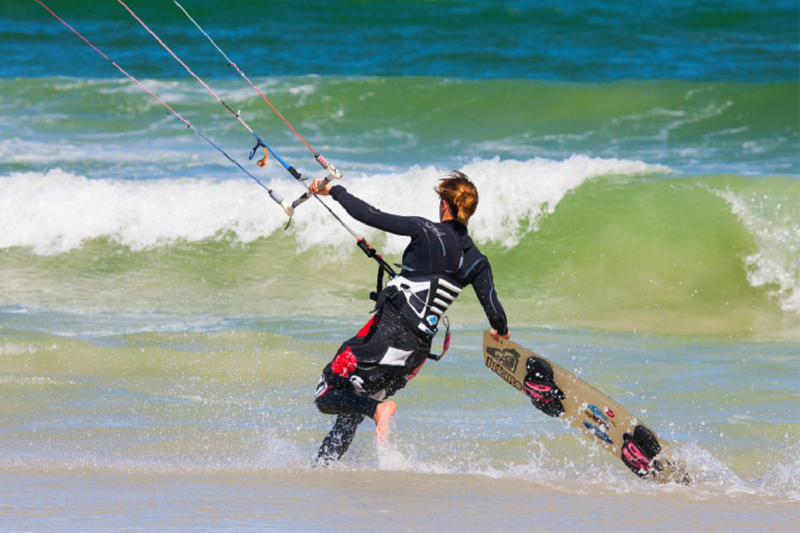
column 390, row 349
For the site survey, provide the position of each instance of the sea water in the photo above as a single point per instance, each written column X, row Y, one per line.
column 162, row 333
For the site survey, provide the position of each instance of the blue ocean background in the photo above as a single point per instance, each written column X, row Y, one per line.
column 161, row 333
column 566, row 41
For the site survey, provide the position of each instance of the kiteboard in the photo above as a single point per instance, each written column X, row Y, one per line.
column 559, row 393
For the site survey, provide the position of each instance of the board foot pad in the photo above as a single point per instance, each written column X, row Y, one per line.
column 541, row 387
column 639, row 450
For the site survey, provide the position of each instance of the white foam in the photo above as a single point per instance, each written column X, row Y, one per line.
column 55, row 212
column 777, row 261
column 703, row 467
column 513, row 196
column 522, row 191
column 14, row 348
column 784, row 478
column 20, row 151
column 391, row 459
column 279, row 453
column 32, row 380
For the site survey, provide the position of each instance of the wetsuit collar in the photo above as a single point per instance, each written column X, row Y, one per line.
column 465, row 241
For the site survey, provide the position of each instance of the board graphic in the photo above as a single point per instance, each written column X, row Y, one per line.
column 559, row 393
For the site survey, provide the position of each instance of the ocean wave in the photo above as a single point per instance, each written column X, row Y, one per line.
column 604, row 243
column 56, row 211
column 691, row 127
column 777, row 261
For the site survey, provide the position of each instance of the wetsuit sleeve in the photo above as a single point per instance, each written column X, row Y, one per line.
column 363, row 212
column 483, row 283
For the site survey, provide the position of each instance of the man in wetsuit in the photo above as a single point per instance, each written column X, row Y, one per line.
column 391, row 348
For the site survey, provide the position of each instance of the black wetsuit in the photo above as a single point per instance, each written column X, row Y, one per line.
column 389, row 350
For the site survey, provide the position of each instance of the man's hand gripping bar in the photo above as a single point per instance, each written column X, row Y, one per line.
column 333, row 174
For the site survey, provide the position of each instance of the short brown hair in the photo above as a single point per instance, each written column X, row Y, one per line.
column 460, row 195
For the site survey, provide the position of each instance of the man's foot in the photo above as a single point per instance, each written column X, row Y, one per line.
column 383, row 416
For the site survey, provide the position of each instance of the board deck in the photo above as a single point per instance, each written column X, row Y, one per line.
column 559, row 393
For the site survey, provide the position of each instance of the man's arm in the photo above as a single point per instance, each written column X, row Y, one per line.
column 363, row 212
column 483, row 283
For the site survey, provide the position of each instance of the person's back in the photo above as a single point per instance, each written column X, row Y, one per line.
column 438, row 263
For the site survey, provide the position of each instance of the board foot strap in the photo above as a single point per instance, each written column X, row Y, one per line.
column 541, row 387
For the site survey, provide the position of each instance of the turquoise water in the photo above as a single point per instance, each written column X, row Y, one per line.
column 110, row 128
column 192, row 426
column 739, row 40
column 161, row 333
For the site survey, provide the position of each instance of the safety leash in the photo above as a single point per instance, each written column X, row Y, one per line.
column 446, row 322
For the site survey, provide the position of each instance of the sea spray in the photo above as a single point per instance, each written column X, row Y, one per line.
column 776, row 263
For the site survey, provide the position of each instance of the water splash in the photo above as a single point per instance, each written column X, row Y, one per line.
column 777, row 236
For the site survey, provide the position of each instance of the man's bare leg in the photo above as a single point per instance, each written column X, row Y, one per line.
column 383, row 416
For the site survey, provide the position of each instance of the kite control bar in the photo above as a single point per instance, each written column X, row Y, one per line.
column 333, row 174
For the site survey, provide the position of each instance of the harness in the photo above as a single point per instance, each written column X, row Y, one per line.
column 423, row 302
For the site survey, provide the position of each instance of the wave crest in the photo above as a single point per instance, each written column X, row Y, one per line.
column 56, row 211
